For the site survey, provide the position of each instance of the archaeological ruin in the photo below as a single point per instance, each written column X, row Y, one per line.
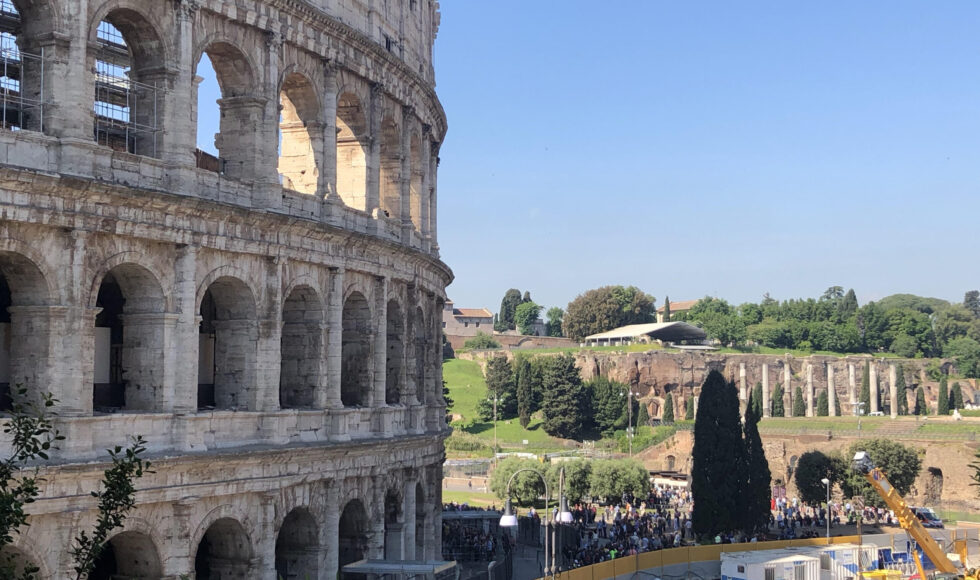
column 267, row 317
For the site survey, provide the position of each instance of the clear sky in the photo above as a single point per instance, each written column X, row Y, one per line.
column 723, row 148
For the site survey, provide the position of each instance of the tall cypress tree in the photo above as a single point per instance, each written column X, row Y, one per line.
column 566, row 401
column 525, row 390
column 667, row 309
column 756, row 399
column 757, row 476
column 778, row 407
column 942, row 405
column 823, row 404
column 668, row 416
column 956, row 396
column 799, row 405
column 643, row 416
column 717, row 473
column 689, row 408
column 866, row 387
column 903, row 399
column 920, row 402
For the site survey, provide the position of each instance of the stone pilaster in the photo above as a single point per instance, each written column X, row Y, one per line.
column 810, row 411
column 380, row 340
column 742, row 388
column 373, row 193
column 186, row 331
column 766, row 404
column 328, row 160
column 405, row 184
column 426, row 161
column 788, row 386
column 408, row 531
column 874, row 386
column 831, row 391
column 180, row 123
column 329, row 398
column 851, row 387
column 433, row 197
column 269, row 348
column 893, row 389
column 330, row 537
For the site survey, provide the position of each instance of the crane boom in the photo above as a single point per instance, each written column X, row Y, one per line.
column 863, row 464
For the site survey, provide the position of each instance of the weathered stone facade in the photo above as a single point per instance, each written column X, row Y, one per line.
column 269, row 319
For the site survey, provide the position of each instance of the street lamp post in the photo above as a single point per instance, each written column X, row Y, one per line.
column 826, row 482
column 629, row 417
column 495, row 398
column 509, row 519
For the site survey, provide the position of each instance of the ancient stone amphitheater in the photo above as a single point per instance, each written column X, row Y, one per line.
column 268, row 318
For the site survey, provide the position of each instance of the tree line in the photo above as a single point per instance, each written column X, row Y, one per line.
column 602, row 479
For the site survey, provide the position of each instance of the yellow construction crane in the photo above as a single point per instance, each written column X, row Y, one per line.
column 863, row 464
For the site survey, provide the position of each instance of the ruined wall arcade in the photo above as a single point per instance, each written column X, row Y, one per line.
column 268, row 318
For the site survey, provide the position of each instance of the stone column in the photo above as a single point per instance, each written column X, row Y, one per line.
column 426, row 161
column 330, row 537
column 267, row 192
column 766, row 404
column 187, row 331
column 376, row 524
column 405, row 183
column 433, row 197
column 874, row 386
column 408, row 533
column 893, row 389
column 831, row 391
column 72, row 332
column 68, row 92
column 851, row 387
column 810, row 411
column 433, row 543
column 373, row 194
column 329, row 398
column 180, row 121
column 742, row 389
column 268, row 354
column 328, row 161
column 380, row 340
column 788, row 386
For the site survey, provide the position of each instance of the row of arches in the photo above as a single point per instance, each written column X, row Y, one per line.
column 133, row 325
column 226, row 549
column 317, row 129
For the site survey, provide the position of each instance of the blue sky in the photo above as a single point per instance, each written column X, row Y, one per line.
column 723, row 148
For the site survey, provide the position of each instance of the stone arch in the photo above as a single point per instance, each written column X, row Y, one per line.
column 357, row 352
column 391, row 168
column 421, row 514
column 297, row 545
column 224, row 550
column 301, row 347
column 352, row 149
column 353, row 532
column 129, row 554
column 420, row 340
column 300, row 133
column 395, row 357
column 415, row 181
column 671, row 463
column 131, row 54
column 149, row 275
column 129, row 340
column 228, row 335
column 240, row 108
column 24, row 326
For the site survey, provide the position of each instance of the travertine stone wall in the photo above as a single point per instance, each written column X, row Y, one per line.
column 270, row 323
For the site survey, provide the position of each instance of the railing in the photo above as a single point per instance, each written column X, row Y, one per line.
column 20, row 111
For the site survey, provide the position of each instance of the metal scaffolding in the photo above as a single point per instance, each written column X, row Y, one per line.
column 20, row 107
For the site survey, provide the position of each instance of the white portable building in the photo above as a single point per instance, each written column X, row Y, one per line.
column 770, row 565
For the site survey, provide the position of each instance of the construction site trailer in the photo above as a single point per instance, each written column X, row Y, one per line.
column 400, row 570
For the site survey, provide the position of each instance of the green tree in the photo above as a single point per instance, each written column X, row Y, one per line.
column 565, row 398
column 524, row 379
column 508, row 307
column 643, row 416
column 756, row 400
column 956, row 396
column 942, row 404
column 848, row 305
column 609, row 412
column 971, row 300
column 689, row 409
column 903, row 400
column 525, row 488
column 904, row 346
column 606, row 308
column 778, row 407
column 667, row 309
column 553, row 326
column 667, row 418
column 449, row 403
column 718, row 455
column 614, row 477
column 966, row 352
column 578, row 478
column 921, row 408
column 866, row 387
column 900, row 464
column 756, row 474
column 799, row 405
column 525, row 316
column 823, row 404
column 482, row 341
column 500, row 382
column 813, row 466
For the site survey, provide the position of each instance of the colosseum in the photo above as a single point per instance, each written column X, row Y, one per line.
column 267, row 317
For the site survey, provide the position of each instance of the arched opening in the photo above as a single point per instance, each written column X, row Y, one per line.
column 128, row 341
column 24, row 346
column 352, row 143
column 300, row 134
column 239, row 111
column 297, row 553
column 224, row 552
column 129, row 83
column 353, row 532
column 228, row 339
column 356, row 352
column 671, row 460
column 394, row 523
column 395, row 357
column 127, row 555
column 391, row 165
column 419, row 338
column 420, row 521
column 415, row 184
column 21, row 98
column 302, row 345
column 205, row 109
